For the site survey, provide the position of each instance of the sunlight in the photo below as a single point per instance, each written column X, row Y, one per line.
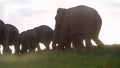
column 1, row 49
column 11, row 47
column 24, row 13
column 42, row 46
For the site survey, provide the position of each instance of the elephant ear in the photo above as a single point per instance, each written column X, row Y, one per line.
column 60, row 15
column 61, row 12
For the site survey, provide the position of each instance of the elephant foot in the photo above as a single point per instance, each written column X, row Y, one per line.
column 89, row 47
column 101, row 46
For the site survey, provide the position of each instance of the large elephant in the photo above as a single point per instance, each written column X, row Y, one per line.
column 13, row 34
column 76, row 24
column 28, row 41
column 4, row 37
column 44, row 35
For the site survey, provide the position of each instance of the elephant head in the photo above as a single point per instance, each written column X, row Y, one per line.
column 58, row 24
column 59, row 17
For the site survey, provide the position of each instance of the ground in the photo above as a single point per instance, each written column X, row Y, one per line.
column 107, row 57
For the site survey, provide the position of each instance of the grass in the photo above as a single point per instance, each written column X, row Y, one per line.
column 107, row 57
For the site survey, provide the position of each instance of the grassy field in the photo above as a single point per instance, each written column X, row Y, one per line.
column 107, row 57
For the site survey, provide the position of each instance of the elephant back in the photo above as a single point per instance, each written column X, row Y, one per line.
column 82, row 20
column 2, row 25
column 44, row 33
column 3, row 32
column 13, row 33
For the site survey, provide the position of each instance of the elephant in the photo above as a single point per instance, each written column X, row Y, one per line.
column 13, row 34
column 28, row 41
column 44, row 35
column 4, row 37
column 75, row 25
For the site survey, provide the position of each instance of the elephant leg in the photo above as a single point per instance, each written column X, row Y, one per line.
column 88, row 43
column 65, row 41
column 31, row 47
column 24, row 49
column 38, row 47
column 98, row 41
column 17, row 48
column 54, row 45
column 61, row 45
column 64, row 45
column 78, row 43
column 6, row 49
column 47, row 45
column 0, row 49
column 68, row 44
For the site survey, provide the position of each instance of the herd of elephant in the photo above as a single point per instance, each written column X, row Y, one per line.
column 29, row 39
column 73, row 25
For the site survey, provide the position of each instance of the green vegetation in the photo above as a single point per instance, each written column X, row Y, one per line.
column 107, row 57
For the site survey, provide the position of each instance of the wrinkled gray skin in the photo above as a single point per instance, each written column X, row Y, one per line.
column 4, row 37
column 76, row 24
column 28, row 41
column 13, row 34
column 44, row 35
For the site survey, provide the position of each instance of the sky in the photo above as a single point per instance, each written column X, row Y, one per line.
column 27, row 14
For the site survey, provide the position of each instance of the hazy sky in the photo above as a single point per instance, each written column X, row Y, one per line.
column 27, row 14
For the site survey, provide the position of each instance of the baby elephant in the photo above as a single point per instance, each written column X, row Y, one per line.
column 28, row 41
column 12, row 37
column 44, row 35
